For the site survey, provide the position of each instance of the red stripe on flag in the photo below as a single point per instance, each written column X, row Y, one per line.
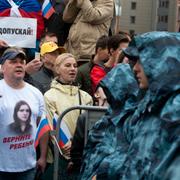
column 45, row 129
column 61, row 144
column 49, row 13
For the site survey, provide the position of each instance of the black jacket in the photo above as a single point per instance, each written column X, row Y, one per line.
column 42, row 79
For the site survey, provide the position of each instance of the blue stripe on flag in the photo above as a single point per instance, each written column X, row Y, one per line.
column 47, row 8
column 63, row 137
column 54, row 123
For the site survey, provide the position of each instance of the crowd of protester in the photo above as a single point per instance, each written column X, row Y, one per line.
column 136, row 78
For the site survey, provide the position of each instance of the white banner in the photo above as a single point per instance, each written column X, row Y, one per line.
column 18, row 31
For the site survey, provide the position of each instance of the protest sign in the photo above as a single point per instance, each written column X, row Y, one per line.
column 18, row 31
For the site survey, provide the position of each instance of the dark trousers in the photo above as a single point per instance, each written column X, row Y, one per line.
column 26, row 175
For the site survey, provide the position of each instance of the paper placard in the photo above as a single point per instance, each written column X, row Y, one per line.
column 18, row 31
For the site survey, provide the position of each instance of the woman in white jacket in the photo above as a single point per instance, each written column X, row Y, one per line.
column 64, row 94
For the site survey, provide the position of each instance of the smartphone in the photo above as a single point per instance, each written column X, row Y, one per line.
column 37, row 55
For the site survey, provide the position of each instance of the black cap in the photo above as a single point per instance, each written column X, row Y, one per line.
column 11, row 54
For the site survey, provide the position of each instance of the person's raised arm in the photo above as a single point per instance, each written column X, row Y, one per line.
column 101, row 11
column 70, row 11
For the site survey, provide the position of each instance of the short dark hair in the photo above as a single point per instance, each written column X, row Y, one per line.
column 115, row 40
column 124, row 33
column 48, row 33
column 102, row 42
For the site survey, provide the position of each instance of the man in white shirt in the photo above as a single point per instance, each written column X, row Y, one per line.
column 21, row 107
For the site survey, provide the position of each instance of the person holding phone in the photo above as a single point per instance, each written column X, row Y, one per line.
column 43, row 78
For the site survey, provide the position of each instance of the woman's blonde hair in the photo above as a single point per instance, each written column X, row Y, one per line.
column 61, row 58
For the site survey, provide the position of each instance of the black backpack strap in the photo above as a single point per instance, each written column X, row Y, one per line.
column 80, row 101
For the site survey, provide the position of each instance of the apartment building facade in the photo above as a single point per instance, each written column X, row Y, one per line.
column 139, row 16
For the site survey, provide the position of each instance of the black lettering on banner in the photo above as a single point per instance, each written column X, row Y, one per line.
column 12, row 30
column 24, row 32
column 4, row 30
column 8, row 31
column 20, row 31
column 27, row 31
column 17, row 31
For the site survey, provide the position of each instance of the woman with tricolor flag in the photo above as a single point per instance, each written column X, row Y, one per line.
column 64, row 94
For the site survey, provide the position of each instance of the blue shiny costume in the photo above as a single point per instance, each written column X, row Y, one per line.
column 148, row 146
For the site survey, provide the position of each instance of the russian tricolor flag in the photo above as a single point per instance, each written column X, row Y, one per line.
column 47, row 9
column 43, row 127
column 64, row 134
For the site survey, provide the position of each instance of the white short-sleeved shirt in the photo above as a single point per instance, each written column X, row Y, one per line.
column 17, row 152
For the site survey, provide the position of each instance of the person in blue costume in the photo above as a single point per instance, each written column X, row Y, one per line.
column 154, row 127
column 121, row 90
column 156, row 121
column 153, row 131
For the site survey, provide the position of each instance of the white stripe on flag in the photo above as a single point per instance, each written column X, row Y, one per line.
column 46, row 2
column 65, row 129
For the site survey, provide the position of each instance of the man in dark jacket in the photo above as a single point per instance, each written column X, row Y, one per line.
column 83, row 76
column 42, row 79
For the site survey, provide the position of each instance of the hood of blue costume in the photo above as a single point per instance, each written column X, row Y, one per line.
column 159, row 54
column 121, row 90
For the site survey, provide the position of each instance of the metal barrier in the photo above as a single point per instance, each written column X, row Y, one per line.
column 93, row 114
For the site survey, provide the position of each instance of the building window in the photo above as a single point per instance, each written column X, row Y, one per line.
column 166, row 19
column 164, row 3
column 167, row 4
column 159, row 3
column 163, row 19
column 133, row 5
column 132, row 19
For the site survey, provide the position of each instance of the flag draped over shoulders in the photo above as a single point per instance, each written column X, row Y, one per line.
column 5, row 8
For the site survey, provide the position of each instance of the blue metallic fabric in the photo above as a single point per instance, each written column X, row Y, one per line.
column 155, row 129
column 121, row 90
column 143, row 145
